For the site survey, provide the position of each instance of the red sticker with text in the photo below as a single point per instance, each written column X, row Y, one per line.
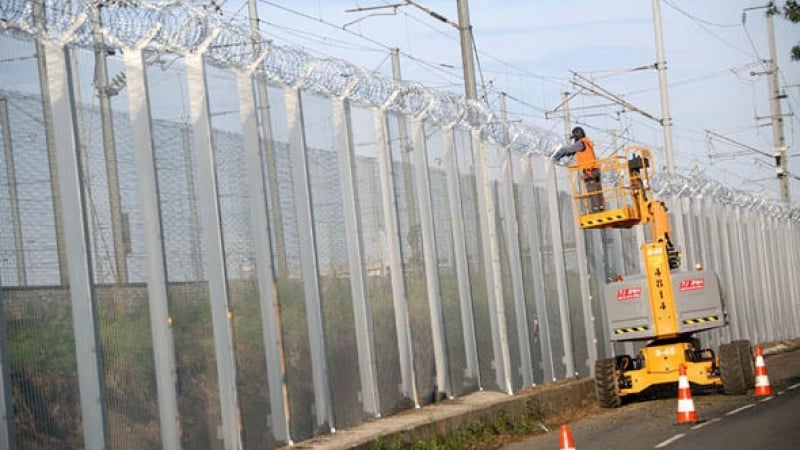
column 692, row 285
column 629, row 293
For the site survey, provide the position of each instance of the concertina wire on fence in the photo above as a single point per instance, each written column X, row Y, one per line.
column 179, row 27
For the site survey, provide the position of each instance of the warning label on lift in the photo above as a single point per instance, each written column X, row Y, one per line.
column 629, row 293
column 693, row 284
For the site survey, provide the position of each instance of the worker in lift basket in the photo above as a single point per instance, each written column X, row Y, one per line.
column 583, row 149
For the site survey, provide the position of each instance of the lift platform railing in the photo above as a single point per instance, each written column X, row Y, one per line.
column 624, row 188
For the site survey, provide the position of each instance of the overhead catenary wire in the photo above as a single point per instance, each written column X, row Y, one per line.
column 522, row 70
column 702, row 25
column 698, row 19
column 433, row 66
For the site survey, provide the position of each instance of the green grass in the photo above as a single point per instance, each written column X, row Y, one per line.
column 480, row 434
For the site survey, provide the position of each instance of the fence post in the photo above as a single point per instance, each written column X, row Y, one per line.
column 267, row 288
column 586, row 296
column 323, row 400
column 537, row 272
column 763, row 293
column 491, row 257
column 399, row 298
column 554, row 212
column 743, row 241
column 509, row 207
column 771, row 279
column 597, row 249
column 77, row 246
column 793, row 254
column 431, row 257
column 750, row 253
column 216, row 271
column 7, row 437
column 362, row 310
column 460, row 252
column 720, row 217
column 158, row 299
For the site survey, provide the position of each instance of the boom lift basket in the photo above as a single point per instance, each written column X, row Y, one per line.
column 622, row 177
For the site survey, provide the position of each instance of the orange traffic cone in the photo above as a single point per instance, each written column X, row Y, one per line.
column 566, row 442
column 686, row 412
column 762, row 380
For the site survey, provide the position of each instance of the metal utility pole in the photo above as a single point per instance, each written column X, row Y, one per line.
column 503, row 108
column 269, row 144
column 405, row 149
column 110, row 149
column 50, row 140
column 465, row 33
column 661, row 65
column 778, row 139
column 464, row 30
column 194, row 237
column 565, row 105
column 11, row 177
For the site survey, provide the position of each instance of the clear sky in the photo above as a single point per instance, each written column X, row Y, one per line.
column 529, row 49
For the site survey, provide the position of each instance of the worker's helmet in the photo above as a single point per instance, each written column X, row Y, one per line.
column 578, row 134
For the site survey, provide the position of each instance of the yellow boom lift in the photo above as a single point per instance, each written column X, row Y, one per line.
column 662, row 307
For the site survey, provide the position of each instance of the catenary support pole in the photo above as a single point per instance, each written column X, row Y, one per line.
column 661, row 65
column 109, row 149
column 778, row 138
column 468, row 62
column 11, row 180
column 269, row 145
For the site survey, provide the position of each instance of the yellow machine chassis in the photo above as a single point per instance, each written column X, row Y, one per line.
column 662, row 364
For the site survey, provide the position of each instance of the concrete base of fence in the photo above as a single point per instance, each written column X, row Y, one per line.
column 543, row 401
column 448, row 416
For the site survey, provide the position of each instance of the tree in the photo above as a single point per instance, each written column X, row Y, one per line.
column 791, row 11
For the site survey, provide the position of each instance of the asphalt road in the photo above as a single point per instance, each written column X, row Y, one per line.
column 739, row 422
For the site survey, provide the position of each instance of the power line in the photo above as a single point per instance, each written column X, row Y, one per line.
column 489, row 56
column 707, row 30
column 699, row 20
column 524, row 103
column 430, row 65
column 752, row 44
column 696, row 79
column 345, row 45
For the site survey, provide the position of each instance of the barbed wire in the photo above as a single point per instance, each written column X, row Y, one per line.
column 182, row 28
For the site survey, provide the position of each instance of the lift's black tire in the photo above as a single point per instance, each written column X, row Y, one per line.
column 745, row 350
column 605, row 383
column 731, row 370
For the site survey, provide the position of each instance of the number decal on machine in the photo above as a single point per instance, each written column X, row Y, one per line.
column 669, row 351
column 694, row 284
column 629, row 293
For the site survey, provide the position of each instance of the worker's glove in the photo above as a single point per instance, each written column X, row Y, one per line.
column 560, row 158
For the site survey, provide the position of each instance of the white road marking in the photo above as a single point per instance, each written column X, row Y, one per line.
column 701, row 425
column 766, row 399
column 730, row 413
column 794, row 386
column 670, row 440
